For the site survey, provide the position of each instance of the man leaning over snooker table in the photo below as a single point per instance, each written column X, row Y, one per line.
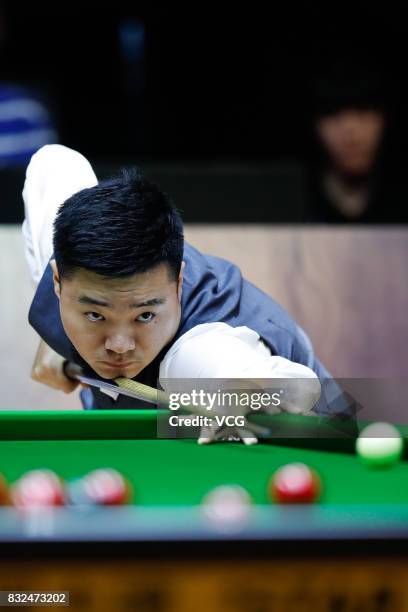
column 119, row 293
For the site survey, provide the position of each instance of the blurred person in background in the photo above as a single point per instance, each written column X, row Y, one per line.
column 25, row 121
column 354, row 178
column 25, row 125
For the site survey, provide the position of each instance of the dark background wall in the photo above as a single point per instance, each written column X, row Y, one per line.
column 197, row 84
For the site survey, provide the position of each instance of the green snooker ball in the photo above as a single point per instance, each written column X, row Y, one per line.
column 380, row 445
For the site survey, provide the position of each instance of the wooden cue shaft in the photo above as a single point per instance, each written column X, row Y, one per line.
column 155, row 395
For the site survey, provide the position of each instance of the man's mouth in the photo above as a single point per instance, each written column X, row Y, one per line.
column 118, row 364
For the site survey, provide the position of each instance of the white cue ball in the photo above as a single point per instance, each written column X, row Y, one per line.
column 380, row 444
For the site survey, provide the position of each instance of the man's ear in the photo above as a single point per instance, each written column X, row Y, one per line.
column 180, row 280
column 55, row 278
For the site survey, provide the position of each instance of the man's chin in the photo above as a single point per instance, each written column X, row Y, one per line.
column 111, row 373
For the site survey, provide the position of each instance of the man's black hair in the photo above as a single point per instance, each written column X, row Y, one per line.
column 123, row 226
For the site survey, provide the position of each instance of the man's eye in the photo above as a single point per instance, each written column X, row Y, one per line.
column 146, row 317
column 94, row 316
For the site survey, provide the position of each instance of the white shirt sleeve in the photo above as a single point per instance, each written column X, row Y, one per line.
column 53, row 175
column 217, row 351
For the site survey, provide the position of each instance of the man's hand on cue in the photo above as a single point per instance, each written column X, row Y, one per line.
column 48, row 369
column 231, row 434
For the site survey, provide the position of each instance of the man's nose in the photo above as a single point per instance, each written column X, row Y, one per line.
column 120, row 343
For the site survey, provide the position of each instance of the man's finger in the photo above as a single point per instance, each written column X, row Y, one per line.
column 247, row 436
column 67, row 386
column 204, row 440
column 207, row 434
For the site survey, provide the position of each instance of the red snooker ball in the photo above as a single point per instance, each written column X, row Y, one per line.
column 295, row 483
column 4, row 492
column 106, row 487
column 38, row 488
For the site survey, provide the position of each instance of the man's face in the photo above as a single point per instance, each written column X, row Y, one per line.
column 119, row 325
column 352, row 137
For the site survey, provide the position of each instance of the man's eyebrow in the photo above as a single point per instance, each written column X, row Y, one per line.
column 86, row 299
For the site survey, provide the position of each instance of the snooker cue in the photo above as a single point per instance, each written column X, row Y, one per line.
column 153, row 396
